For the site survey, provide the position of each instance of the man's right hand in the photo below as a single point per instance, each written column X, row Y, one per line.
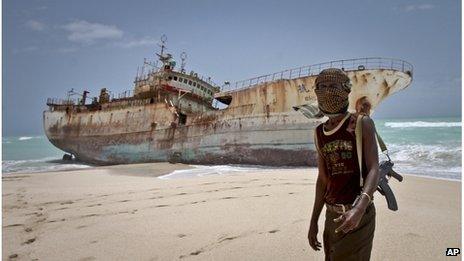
column 312, row 237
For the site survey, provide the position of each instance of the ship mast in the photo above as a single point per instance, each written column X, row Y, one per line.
column 163, row 59
column 183, row 56
column 164, row 38
column 166, row 59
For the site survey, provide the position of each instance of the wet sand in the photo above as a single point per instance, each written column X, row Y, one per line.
column 126, row 213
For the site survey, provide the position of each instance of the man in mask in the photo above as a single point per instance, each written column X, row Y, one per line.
column 347, row 193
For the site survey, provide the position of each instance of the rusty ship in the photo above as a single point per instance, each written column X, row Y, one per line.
column 171, row 115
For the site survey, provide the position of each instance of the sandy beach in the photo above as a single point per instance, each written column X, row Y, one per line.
column 126, row 213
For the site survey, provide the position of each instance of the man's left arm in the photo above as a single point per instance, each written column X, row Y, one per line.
column 371, row 156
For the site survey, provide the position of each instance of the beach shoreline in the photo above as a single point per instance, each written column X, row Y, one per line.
column 119, row 213
column 169, row 168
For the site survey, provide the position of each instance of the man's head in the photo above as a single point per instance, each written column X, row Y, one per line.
column 332, row 89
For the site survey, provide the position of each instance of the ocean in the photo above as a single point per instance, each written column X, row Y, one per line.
column 423, row 146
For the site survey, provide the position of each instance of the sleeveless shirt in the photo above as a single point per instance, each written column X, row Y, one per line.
column 338, row 149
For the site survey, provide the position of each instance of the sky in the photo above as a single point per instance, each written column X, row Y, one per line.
column 50, row 47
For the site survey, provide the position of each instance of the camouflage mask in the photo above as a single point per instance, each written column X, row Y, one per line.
column 332, row 90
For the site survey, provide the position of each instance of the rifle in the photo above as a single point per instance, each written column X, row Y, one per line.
column 385, row 168
column 386, row 172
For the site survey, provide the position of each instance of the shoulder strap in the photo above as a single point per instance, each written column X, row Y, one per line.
column 382, row 145
column 358, row 133
column 316, row 141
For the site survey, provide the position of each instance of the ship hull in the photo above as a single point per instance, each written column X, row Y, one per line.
column 259, row 126
column 256, row 140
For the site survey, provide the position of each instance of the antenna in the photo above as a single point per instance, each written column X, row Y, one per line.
column 69, row 93
column 151, row 64
column 164, row 38
column 183, row 56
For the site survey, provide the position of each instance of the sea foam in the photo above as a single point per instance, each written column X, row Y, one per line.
column 25, row 138
column 422, row 124
column 38, row 165
column 216, row 170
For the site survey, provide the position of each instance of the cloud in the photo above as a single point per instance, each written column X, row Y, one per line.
column 66, row 50
column 138, row 42
column 84, row 32
column 35, row 25
column 25, row 49
column 421, row 7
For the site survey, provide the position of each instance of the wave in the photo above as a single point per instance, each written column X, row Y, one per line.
column 443, row 161
column 25, row 138
column 39, row 165
column 434, row 154
column 201, row 171
column 30, row 137
column 422, row 124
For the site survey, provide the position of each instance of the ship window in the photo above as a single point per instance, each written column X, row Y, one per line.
column 175, row 78
column 194, row 84
column 170, row 78
column 182, row 119
column 190, row 82
column 185, row 80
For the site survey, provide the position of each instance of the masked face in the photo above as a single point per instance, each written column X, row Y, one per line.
column 332, row 97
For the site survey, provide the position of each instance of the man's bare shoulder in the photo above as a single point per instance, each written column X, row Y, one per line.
column 367, row 121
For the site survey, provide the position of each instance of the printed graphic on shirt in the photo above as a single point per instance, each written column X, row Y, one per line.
column 338, row 153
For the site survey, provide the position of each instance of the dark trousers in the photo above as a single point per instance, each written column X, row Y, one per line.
column 356, row 245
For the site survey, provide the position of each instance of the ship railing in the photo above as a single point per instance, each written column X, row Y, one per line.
column 122, row 95
column 145, row 75
column 57, row 101
column 311, row 70
column 206, row 79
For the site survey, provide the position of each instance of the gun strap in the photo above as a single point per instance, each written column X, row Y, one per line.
column 358, row 133
column 382, row 145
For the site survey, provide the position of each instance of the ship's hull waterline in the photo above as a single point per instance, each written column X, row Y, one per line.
column 259, row 126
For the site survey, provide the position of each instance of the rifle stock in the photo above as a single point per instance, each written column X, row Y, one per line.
column 385, row 170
